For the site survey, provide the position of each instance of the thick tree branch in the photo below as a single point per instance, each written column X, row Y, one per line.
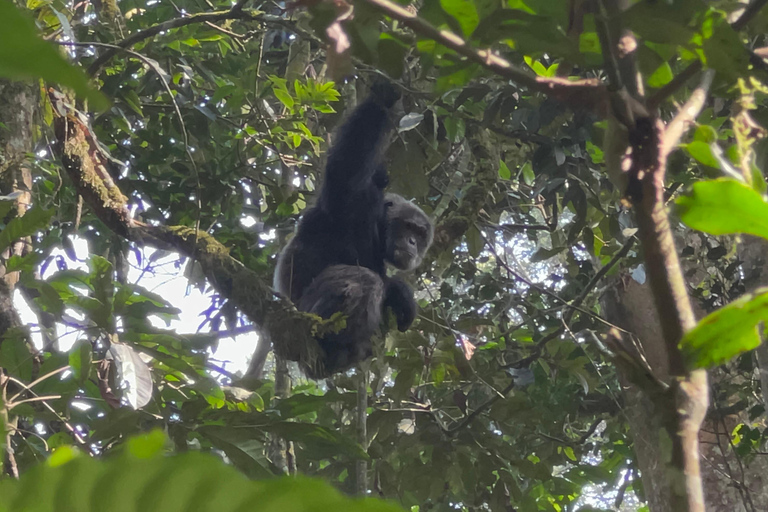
column 651, row 146
column 290, row 330
column 587, row 93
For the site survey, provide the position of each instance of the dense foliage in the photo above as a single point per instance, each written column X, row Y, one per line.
column 502, row 396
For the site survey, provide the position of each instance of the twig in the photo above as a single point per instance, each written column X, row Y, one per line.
column 28, row 387
column 64, row 422
column 232, row 14
column 572, row 308
column 540, row 345
column 11, row 405
column 290, row 329
column 480, row 408
column 182, row 125
column 516, row 228
column 749, row 12
column 670, row 88
column 597, row 277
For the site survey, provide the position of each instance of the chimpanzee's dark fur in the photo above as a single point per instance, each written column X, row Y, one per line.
column 336, row 260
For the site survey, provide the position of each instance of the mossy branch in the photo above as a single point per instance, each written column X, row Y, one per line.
column 290, row 330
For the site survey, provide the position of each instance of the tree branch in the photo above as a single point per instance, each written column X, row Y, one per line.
column 290, row 330
column 586, row 93
column 749, row 12
column 687, row 114
column 239, row 5
column 573, row 307
column 651, row 145
column 236, row 13
column 540, row 345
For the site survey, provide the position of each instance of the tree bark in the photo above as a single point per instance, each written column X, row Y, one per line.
column 281, row 452
column 361, row 466
column 730, row 484
column 19, row 107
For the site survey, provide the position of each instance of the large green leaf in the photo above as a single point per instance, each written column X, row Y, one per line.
column 26, row 225
column 728, row 332
column 24, row 55
column 185, row 483
column 724, row 207
column 465, row 13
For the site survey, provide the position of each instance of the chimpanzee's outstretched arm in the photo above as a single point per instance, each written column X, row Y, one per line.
column 354, row 158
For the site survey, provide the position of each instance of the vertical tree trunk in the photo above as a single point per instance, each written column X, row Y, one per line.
column 19, row 106
column 281, row 452
column 730, row 485
column 361, row 466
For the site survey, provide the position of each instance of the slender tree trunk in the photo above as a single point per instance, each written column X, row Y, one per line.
column 361, row 466
column 281, row 452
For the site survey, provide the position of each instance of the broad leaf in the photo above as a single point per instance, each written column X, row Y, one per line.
column 726, row 333
column 725, row 207
column 26, row 225
column 133, row 375
column 24, row 55
column 192, row 481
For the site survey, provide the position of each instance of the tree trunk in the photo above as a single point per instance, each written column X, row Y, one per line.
column 361, row 466
column 19, row 105
column 281, row 452
column 730, row 484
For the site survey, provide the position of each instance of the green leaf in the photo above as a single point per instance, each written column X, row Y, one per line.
column 25, row 263
column 132, row 100
column 15, row 357
column 24, row 55
column 465, row 12
column 189, row 482
column 662, row 76
column 529, row 176
column 723, row 50
column 504, row 172
column 147, row 445
column 724, row 207
column 726, row 333
column 284, row 97
column 80, row 358
column 544, row 254
column 26, row 225
column 391, row 55
column 702, row 153
column 705, row 133
column 658, row 23
column 474, row 241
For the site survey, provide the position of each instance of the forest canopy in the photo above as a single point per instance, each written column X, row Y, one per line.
column 591, row 311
